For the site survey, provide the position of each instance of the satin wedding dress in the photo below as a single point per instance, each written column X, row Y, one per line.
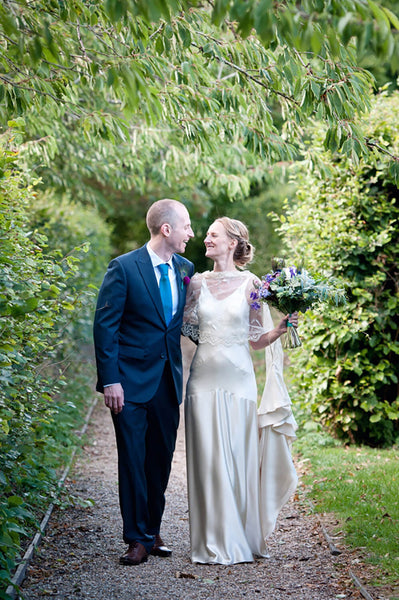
column 239, row 466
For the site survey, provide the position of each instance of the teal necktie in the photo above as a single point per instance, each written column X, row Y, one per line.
column 166, row 292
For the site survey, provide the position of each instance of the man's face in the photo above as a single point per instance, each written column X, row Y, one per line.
column 181, row 232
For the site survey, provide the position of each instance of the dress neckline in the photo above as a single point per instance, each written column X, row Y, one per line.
column 223, row 276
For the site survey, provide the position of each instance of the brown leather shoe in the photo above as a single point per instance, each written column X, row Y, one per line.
column 159, row 548
column 135, row 555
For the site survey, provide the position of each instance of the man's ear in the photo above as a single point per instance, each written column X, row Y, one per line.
column 166, row 229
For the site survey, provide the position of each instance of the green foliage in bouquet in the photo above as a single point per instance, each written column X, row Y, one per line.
column 346, row 218
column 294, row 290
column 291, row 289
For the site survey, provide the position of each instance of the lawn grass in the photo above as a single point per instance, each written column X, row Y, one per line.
column 358, row 485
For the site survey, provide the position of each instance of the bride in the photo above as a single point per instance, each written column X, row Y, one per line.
column 239, row 465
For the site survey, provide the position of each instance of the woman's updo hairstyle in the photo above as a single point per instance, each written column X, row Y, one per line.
column 236, row 230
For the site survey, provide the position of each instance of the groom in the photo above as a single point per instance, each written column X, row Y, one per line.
column 137, row 344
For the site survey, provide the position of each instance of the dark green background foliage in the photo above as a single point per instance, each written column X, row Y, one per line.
column 346, row 222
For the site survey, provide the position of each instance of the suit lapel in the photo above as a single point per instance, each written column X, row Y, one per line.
column 180, row 285
column 150, row 281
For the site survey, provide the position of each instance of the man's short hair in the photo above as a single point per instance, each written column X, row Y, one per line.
column 162, row 211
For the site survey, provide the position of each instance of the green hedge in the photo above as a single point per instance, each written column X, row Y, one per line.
column 50, row 254
column 345, row 221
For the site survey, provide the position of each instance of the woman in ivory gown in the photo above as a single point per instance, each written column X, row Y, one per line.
column 239, row 466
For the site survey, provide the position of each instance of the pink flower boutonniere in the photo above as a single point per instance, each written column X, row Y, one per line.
column 185, row 279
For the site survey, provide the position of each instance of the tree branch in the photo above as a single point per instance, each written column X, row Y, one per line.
column 162, row 25
column 8, row 39
column 82, row 47
column 371, row 144
column 41, row 93
column 249, row 76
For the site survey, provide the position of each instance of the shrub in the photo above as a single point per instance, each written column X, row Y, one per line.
column 46, row 308
column 345, row 221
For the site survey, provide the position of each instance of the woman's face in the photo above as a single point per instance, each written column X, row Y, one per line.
column 217, row 242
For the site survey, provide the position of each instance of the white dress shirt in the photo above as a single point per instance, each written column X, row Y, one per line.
column 156, row 260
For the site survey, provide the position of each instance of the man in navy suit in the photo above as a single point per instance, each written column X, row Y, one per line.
column 139, row 366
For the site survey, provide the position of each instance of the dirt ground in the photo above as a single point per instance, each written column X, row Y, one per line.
column 78, row 557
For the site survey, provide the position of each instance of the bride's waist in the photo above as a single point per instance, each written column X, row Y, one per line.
column 206, row 337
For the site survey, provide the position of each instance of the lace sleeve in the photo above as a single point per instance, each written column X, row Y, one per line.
column 190, row 326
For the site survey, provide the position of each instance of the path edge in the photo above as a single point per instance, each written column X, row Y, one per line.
column 20, row 572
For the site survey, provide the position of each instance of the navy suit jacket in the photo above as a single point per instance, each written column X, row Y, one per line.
column 131, row 338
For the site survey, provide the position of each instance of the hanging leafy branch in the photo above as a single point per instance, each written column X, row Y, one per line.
column 206, row 70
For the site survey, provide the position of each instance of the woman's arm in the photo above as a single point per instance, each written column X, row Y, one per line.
column 271, row 336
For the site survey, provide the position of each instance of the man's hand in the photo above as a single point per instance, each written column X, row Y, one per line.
column 114, row 397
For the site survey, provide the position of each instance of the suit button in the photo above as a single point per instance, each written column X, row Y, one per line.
column 163, row 355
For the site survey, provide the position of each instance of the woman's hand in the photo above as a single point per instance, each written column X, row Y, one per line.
column 282, row 326
column 271, row 336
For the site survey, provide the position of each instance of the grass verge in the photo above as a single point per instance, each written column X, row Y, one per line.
column 360, row 486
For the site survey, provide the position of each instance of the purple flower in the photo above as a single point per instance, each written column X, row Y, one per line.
column 186, row 280
column 292, row 271
column 255, row 305
column 253, row 295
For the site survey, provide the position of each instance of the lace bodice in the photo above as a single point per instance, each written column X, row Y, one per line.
column 218, row 308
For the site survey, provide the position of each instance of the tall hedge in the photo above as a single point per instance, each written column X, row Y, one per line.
column 46, row 307
column 345, row 221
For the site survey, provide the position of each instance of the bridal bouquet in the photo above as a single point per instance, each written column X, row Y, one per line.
column 290, row 289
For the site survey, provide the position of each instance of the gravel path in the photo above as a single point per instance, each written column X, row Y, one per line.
column 79, row 555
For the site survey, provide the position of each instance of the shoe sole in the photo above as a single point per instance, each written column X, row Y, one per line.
column 164, row 553
column 130, row 563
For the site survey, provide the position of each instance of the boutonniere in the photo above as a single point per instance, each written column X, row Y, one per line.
column 185, row 279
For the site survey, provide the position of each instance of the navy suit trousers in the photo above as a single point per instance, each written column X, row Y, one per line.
column 146, row 438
